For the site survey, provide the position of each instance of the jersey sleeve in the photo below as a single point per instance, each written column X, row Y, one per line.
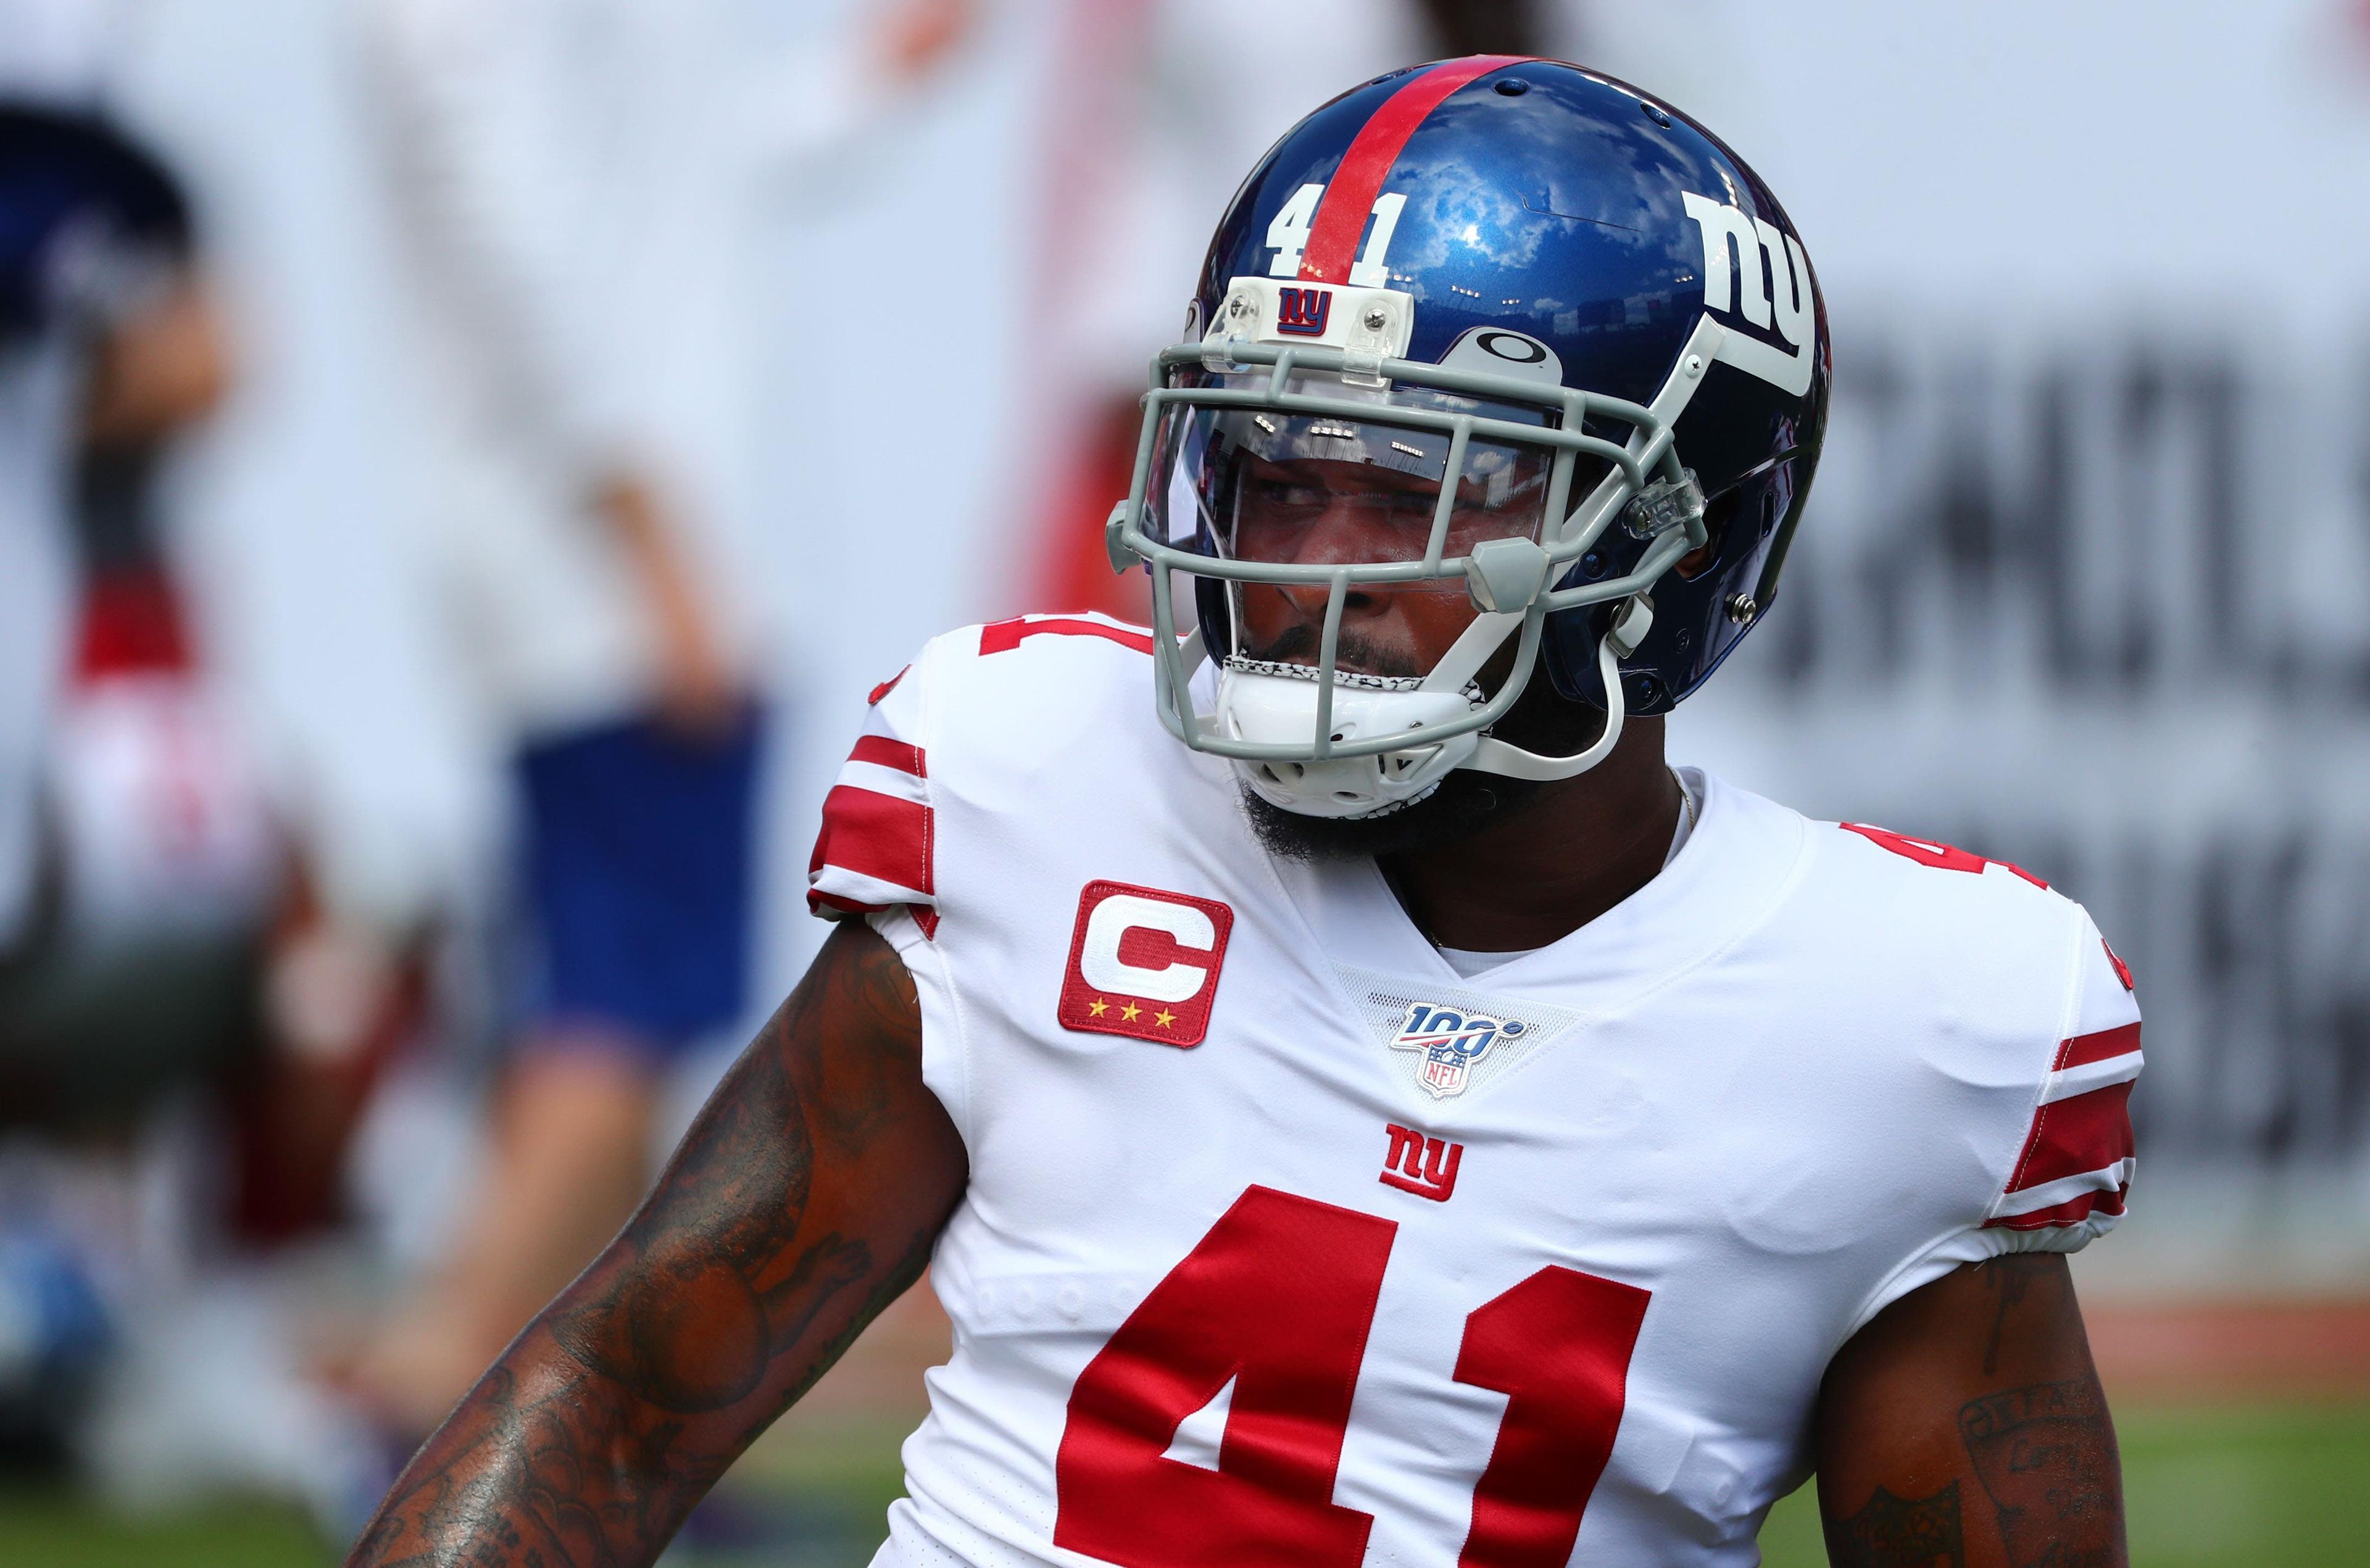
column 2074, row 1170
column 874, row 861
column 874, row 852
column 2061, row 1172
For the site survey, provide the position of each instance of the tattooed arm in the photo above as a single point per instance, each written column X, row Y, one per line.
column 804, row 1200
column 1964, row 1428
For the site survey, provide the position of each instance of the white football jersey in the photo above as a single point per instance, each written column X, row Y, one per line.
column 1284, row 1246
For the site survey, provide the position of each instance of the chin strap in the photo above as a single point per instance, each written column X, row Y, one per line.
column 1628, row 629
column 1473, row 648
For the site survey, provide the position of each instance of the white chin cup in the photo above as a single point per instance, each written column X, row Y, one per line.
column 1281, row 710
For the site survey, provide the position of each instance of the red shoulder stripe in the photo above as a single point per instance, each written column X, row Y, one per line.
column 882, row 751
column 2085, row 1049
column 876, row 836
column 2075, row 1136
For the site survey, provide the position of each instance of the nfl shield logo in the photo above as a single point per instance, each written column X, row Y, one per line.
column 1452, row 1044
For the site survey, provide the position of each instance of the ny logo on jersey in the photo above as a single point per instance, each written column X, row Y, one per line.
column 1424, row 1166
column 1143, row 963
column 1452, row 1043
column 1303, row 311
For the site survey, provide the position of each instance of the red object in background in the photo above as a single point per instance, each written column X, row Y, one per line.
column 293, row 1109
column 1076, row 572
column 1087, row 141
column 131, row 624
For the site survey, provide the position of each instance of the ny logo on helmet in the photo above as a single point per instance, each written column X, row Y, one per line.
column 1776, row 299
column 1452, row 1044
column 1303, row 311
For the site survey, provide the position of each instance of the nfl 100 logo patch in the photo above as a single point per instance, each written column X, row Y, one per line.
column 1452, row 1044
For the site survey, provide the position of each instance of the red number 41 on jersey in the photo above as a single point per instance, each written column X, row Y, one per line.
column 1278, row 1300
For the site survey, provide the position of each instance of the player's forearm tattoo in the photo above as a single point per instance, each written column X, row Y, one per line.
column 2046, row 1456
column 718, row 1306
column 1898, row 1532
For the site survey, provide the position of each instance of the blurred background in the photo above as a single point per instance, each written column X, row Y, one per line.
column 462, row 465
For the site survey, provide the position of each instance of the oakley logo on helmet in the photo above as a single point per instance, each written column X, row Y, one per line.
column 1500, row 351
column 1143, row 963
column 1303, row 311
column 1511, row 346
column 1735, row 284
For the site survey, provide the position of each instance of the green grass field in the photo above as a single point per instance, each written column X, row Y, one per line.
column 2255, row 1487
column 2267, row 1487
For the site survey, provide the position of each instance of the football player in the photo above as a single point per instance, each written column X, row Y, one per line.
column 1358, row 1102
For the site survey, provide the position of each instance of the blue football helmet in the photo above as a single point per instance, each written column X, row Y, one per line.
column 1562, row 356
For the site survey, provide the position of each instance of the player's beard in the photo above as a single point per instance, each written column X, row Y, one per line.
column 1542, row 720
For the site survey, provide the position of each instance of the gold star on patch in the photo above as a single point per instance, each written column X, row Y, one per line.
column 1098, row 1008
column 1131, row 1013
column 1164, row 1018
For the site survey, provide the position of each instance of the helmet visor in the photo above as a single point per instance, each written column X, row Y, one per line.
column 1365, row 507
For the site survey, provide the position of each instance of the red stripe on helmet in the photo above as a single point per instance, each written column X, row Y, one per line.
column 1341, row 215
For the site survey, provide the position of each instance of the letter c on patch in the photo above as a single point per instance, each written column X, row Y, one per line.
column 1119, row 914
column 1144, row 963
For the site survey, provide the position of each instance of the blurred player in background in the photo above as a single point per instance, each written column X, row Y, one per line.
column 136, row 863
column 564, row 170
column 110, row 344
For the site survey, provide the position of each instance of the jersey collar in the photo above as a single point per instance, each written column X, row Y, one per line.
column 1728, row 878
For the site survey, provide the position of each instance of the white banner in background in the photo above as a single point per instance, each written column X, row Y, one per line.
column 2098, row 602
